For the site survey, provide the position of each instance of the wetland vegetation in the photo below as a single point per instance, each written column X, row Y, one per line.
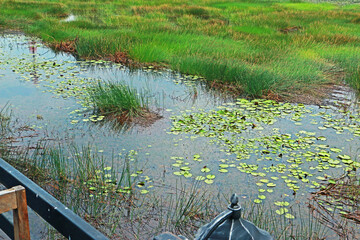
column 274, row 49
column 175, row 174
column 118, row 100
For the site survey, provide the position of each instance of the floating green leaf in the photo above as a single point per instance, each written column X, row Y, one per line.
column 210, row 176
column 200, row 178
column 344, row 157
column 257, row 201
column 262, row 197
column 205, row 169
column 209, row 181
column 281, row 211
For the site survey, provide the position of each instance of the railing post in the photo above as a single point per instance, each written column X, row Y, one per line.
column 15, row 199
column 20, row 215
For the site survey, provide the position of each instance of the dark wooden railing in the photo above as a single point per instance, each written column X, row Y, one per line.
column 51, row 210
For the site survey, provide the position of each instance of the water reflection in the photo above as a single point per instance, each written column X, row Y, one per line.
column 33, row 73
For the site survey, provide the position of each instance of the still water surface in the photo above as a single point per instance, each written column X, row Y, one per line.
column 45, row 89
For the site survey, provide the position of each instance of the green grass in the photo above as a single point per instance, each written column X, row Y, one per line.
column 346, row 190
column 234, row 42
column 5, row 118
column 117, row 99
column 5, row 130
column 265, row 217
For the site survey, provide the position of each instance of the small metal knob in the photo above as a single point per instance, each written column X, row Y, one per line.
column 234, row 199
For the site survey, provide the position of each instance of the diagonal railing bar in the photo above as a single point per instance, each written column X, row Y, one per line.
column 51, row 210
column 6, row 226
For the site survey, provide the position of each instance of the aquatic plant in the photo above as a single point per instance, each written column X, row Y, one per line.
column 247, row 132
column 5, row 119
column 5, row 130
column 96, row 188
column 117, row 200
column 337, row 206
column 266, row 217
column 118, row 100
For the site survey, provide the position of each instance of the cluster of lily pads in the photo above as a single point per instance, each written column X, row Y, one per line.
column 70, row 79
column 105, row 182
column 255, row 142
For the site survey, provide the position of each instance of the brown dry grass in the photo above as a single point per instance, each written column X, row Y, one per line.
column 65, row 46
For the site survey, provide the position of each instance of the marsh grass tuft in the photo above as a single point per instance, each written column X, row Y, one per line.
column 118, row 100
column 180, row 208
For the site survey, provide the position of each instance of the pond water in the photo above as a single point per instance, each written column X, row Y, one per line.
column 283, row 151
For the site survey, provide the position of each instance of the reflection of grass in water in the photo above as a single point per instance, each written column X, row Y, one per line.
column 118, row 100
column 235, row 42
